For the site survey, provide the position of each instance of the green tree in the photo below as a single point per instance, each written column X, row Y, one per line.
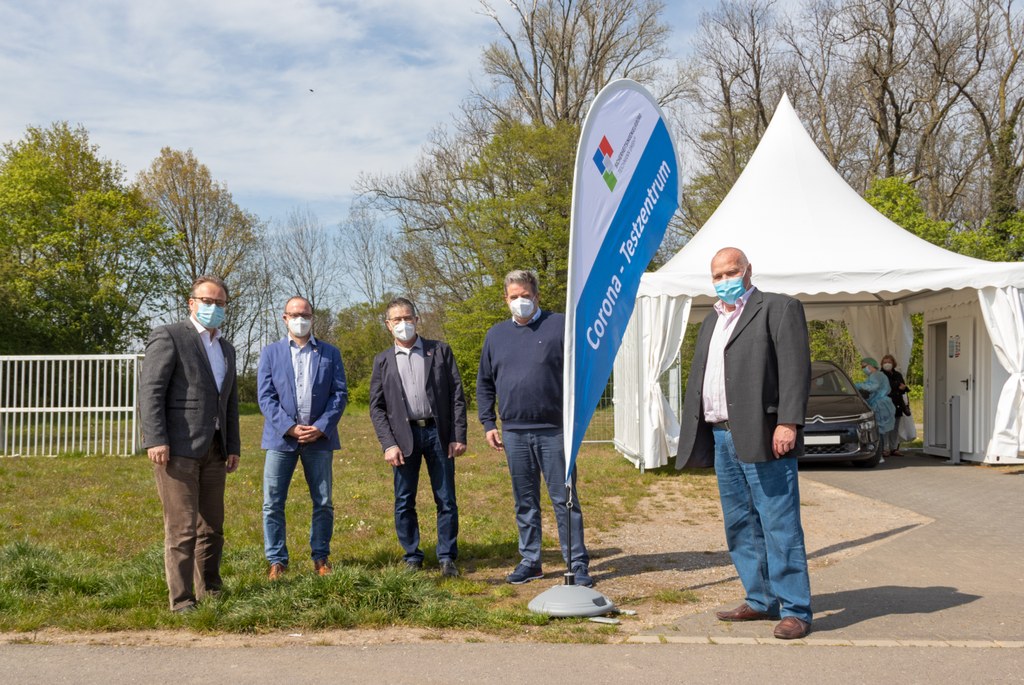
column 900, row 202
column 211, row 235
column 359, row 333
column 78, row 245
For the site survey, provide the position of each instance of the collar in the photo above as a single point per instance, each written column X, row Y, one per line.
column 201, row 329
column 740, row 303
column 536, row 315
column 417, row 344
column 294, row 345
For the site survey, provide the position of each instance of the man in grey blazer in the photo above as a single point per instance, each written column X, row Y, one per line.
column 746, row 400
column 188, row 400
column 419, row 414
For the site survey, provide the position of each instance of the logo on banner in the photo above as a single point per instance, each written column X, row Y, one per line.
column 603, row 161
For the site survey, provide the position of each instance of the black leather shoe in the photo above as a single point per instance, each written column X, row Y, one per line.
column 448, row 569
column 744, row 613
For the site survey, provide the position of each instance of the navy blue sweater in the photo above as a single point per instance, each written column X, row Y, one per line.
column 521, row 367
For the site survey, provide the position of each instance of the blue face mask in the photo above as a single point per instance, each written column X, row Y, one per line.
column 866, row 370
column 731, row 290
column 210, row 315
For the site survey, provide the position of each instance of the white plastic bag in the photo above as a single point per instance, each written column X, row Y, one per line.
column 907, row 429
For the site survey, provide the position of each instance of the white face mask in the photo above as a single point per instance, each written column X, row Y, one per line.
column 887, row 367
column 299, row 326
column 521, row 307
column 404, row 330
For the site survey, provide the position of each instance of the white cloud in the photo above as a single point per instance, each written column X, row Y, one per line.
column 232, row 81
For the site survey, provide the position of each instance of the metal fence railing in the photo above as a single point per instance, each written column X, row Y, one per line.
column 69, row 403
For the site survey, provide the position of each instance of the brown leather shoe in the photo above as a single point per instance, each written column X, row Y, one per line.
column 322, row 567
column 276, row 571
column 792, row 628
column 743, row 613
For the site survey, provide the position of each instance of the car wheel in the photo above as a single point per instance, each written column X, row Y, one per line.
column 872, row 461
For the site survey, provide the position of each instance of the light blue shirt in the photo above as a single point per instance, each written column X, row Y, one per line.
column 302, row 365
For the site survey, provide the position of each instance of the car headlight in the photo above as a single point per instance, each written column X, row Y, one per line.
column 867, row 421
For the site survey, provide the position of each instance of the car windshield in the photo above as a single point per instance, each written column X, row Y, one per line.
column 830, row 382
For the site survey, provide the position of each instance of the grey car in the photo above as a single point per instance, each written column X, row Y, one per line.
column 840, row 425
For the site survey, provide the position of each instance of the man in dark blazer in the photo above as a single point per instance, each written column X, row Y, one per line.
column 188, row 401
column 419, row 413
column 300, row 382
column 746, row 400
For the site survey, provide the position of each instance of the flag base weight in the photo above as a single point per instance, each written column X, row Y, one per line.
column 571, row 600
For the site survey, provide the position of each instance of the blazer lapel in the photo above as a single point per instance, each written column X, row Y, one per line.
column 197, row 341
column 430, row 357
column 750, row 309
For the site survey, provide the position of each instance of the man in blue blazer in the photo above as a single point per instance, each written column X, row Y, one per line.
column 302, row 394
column 419, row 414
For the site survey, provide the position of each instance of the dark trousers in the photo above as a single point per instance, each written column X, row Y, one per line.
column 192, row 494
column 427, row 448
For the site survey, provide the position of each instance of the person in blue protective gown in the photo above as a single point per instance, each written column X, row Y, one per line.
column 876, row 387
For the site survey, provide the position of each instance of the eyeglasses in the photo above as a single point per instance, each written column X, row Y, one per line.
column 210, row 300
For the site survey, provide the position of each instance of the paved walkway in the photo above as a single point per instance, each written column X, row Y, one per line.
column 958, row 581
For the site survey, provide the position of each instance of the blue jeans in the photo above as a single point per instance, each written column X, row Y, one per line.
column 531, row 454
column 761, row 508
column 277, row 477
column 426, row 446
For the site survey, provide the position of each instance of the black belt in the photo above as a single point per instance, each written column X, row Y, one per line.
column 724, row 425
column 423, row 423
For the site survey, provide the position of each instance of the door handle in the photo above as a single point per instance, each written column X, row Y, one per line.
column 966, row 382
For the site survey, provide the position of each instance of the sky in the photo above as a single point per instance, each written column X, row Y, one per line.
column 286, row 101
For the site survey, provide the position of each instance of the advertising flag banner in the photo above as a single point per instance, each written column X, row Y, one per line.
column 625, row 190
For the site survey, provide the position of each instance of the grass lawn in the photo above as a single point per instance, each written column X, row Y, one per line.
column 81, row 543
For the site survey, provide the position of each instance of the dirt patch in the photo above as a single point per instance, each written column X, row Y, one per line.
column 665, row 562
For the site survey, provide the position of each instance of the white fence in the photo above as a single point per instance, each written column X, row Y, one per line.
column 74, row 403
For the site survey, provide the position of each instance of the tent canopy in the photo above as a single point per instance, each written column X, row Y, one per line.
column 810, row 235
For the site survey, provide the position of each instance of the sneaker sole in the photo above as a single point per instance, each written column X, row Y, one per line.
column 524, row 581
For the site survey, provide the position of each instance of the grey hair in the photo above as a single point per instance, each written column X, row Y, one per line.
column 400, row 302
column 524, row 278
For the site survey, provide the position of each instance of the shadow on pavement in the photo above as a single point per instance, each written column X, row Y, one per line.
column 837, row 610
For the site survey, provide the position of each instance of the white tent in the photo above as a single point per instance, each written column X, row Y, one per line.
column 809, row 235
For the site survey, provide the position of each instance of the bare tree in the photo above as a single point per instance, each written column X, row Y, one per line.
column 305, row 262
column 997, row 99
column 558, row 55
column 368, row 256
column 740, row 78
column 822, row 76
column 884, row 40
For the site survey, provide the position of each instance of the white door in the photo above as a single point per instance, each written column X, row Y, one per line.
column 960, row 375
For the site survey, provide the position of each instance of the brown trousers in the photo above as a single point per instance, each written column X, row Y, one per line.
column 192, row 494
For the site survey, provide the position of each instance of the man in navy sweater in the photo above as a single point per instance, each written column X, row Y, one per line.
column 521, row 367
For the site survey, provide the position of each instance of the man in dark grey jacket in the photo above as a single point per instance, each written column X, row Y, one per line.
column 188, row 400
column 418, row 411
column 746, row 400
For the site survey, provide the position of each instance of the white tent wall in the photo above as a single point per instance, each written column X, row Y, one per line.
column 627, row 375
column 803, row 229
column 1003, row 311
